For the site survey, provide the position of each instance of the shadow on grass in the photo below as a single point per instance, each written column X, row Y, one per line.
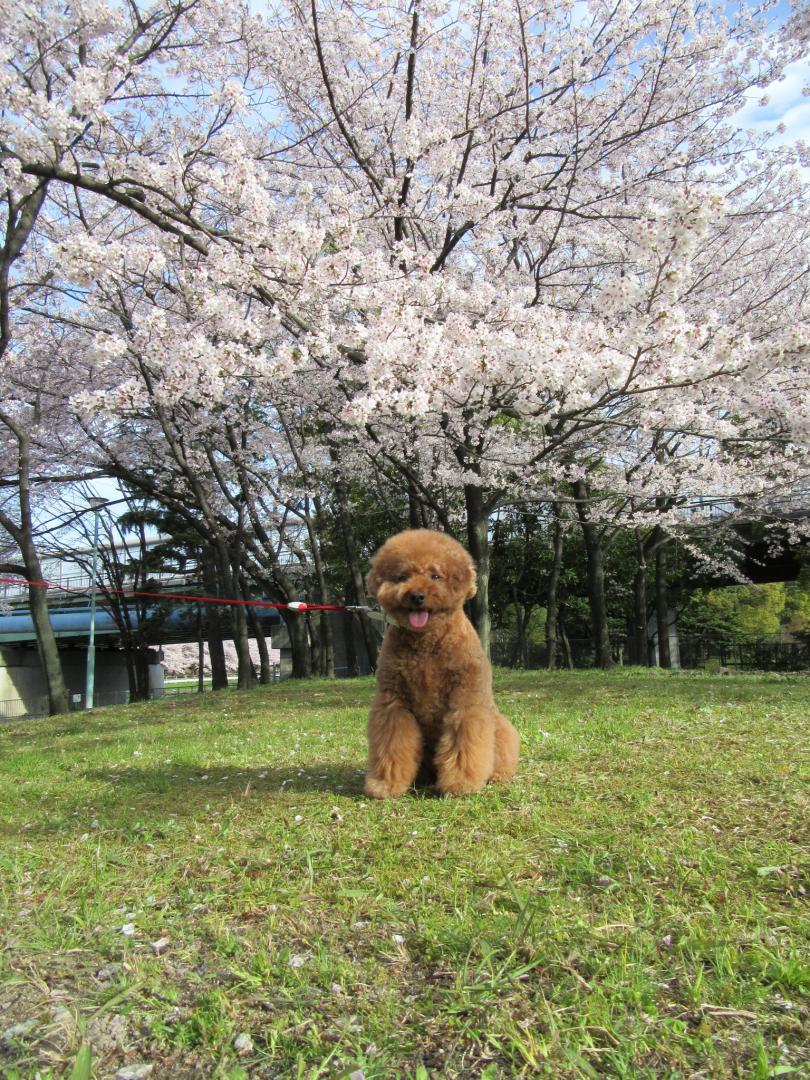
column 195, row 783
column 91, row 724
column 192, row 785
column 143, row 798
column 137, row 800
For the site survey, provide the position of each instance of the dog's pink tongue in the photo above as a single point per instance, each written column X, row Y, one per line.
column 418, row 619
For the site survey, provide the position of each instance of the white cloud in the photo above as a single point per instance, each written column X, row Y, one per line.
column 786, row 105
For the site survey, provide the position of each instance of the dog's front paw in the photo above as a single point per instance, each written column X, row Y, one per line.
column 383, row 789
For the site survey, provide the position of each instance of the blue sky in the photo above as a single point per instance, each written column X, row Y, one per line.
column 786, row 104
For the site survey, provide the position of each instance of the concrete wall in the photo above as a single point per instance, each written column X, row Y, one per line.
column 22, row 683
column 674, row 644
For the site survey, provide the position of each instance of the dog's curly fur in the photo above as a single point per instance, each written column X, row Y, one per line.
column 433, row 714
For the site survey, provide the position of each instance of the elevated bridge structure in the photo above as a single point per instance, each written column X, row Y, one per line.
column 157, row 621
column 160, row 621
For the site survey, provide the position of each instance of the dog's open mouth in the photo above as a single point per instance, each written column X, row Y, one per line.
column 418, row 619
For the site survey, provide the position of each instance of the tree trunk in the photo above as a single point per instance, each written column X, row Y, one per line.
column 121, row 579
column 245, row 676
column 273, row 577
column 256, row 629
column 603, row 656
column 662, row 606
column 141, row 673
column 566, row 644
column 520, row 650
column 478, row 543
column 553, row 598
column 527, row 616
column 516, row 649
column 300, row 657
column 216, row 649
column 229, row 572
column 299, row 645
column 132, row 674
column 315, row 652
column 595, row 558
column 58, row 699
column 216, row 656
column 352, row 668
column 23, row 535
column 136, row 658
column 416, row 513
column 325, row 635
column 132, row 648
column 370, row 640
column 639, row 639
column 200, row 653
column 357, row 591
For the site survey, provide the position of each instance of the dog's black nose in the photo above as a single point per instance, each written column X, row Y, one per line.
column 417, row 598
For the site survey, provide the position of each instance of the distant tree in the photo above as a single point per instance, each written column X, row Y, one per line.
column 796, row 613
column 735, row 612
column 521, row 566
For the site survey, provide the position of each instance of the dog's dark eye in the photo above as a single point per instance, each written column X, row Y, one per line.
column 402, row 577
column 435, row 577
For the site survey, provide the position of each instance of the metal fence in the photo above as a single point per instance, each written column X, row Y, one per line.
column 505, row 652
column 15, row 709
column 753, row 654
column 62, row 584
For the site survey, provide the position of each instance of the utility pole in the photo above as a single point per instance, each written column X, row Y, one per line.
column 96, row 505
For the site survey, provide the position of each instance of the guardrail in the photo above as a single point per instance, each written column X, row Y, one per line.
column 78, row 584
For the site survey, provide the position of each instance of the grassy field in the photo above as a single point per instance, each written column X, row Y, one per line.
column 198, row 888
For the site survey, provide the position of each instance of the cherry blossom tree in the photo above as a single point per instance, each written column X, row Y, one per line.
column 60, row 67
column 490, row 249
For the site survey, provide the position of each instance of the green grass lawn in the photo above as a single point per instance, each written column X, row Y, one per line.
column 199, row 885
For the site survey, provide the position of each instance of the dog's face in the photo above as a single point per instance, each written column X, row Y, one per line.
column 419, row 576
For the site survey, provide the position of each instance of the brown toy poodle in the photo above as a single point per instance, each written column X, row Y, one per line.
column 433, row 712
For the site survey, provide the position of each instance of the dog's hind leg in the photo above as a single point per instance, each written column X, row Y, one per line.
column 507, row 748
column 394, row 749
column 465, row 754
